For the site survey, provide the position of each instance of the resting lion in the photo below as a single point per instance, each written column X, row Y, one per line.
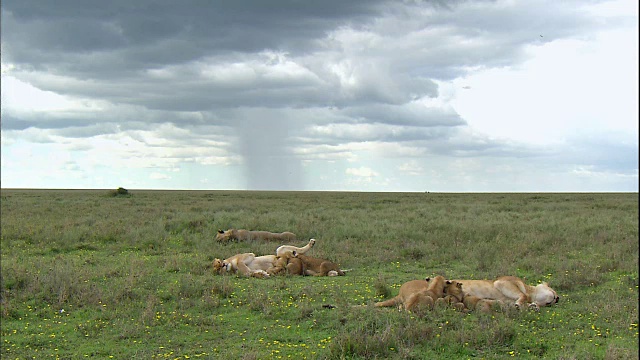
column 453, row 296
column 288, row 262
column 416, row 293
column 247, row 264
column 318, row 267
column 510, row 290
column 244, row 235
column 290, row 248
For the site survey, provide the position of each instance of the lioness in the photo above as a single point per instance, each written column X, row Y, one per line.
column 247, row 264
column 511, row 289
column 288, row 261
column 243, row 235
column 290, row 248
column 318, row 267
column 417, row 293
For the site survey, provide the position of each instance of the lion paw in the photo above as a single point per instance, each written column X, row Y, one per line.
column 534, row 306
column 260, row 274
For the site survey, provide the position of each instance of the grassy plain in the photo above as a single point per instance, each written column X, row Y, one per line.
column 86, row 274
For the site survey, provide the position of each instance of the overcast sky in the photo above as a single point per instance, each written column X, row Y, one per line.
column 456, row 96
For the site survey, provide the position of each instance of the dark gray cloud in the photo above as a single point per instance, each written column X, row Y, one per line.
column 145, row 34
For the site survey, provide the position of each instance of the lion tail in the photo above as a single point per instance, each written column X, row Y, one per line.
column 389, row 303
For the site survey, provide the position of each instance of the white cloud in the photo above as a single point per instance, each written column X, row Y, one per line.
column 159, row 176
column 568, row 85
column 362, row 172
column 411, row 168
column 21, row 97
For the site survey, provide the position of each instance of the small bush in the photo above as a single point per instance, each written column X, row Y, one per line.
column 119, row 192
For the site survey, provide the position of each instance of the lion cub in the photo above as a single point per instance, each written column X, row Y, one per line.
column 288, row 261
column 483, row 305
column 417, row 293
column 453, row 295
column 318, row 267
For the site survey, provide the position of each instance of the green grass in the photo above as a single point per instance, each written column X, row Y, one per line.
column 87, row 274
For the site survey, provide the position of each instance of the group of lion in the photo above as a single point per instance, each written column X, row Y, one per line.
column 288, row 259
column 478, row 295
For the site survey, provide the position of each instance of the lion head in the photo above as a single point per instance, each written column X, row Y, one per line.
column 544, row 295
column 454, row 289
column 219, row 267
column 436, row 286
column 224, row 235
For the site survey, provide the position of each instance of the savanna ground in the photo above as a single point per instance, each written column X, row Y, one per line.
column 87, row 274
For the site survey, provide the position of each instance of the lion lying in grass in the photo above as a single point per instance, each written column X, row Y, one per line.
column 509, row 290
column 299, row 250
column 247, row 264
column 417, row 293
column 318, row 267
column 244, row 235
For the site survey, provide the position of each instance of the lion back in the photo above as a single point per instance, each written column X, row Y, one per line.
column 318, row 267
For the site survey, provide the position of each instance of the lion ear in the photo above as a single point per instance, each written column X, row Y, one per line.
column 427, row 279
column 294, row 253
column 449, row 282
column 220, row 231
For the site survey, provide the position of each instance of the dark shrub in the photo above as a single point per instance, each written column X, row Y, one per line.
column 119, row 192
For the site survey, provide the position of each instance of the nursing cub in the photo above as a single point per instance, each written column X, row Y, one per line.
column 287, row 262
column 318, row 267
column 415, row 294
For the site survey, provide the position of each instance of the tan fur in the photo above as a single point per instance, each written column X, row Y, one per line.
column 407, row 289
column 288, row 262
column 415, row 294
column 481, row 305
column 319, row 267
column 453, row 295
column 428, row 297
column 247, row 264
column 511, row 290
column 244, row 235
column 290, row 248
